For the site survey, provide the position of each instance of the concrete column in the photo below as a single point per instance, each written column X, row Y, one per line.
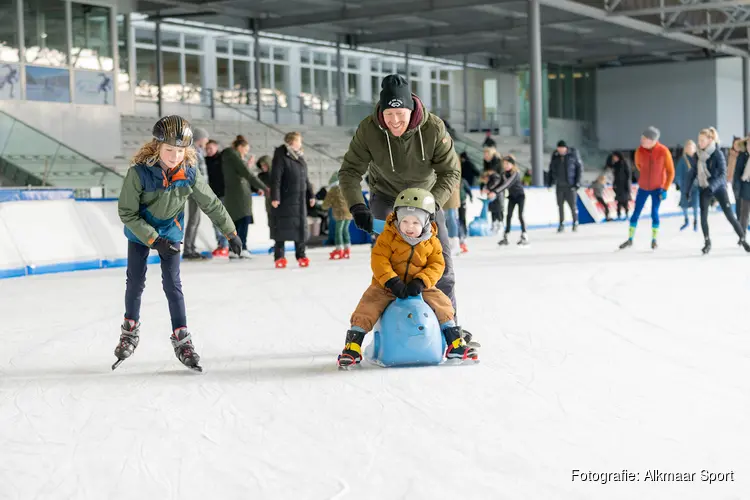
column 746, row 94
column 295, row 79
column 466, row 94
column 256, row 68
column 340, row 85
column 535, row 91
column 159, row 72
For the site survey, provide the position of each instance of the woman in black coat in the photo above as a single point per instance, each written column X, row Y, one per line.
column 291, row 193
column 622, row 181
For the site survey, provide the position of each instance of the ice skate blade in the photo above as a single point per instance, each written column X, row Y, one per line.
column 474, row 344
column 117, row 363
column 196, row 368
column 458, row 361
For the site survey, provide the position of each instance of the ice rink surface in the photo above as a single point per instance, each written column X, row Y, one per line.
column 592, row 359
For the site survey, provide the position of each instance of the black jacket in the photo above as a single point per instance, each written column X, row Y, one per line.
column 215, row 174
column 742, row 189
column 565, row 170
column 469, row 171
column 623, row 178
column 290, row 186
column 512, row 182
column 717, row 168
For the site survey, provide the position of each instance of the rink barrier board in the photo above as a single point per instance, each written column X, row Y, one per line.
column 96, row 223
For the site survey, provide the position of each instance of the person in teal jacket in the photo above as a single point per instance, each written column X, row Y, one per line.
column 152, row 201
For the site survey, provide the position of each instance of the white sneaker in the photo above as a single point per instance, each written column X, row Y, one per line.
column 455, row 246
column 245, row 254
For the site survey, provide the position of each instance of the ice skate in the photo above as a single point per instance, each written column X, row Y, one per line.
column 280, row 263
column 184, row 350
column 575, row 227
column 129, row 332
column 346, row 253
column 745, row 245
column 561, row 228
column 458, row 349
column 707, row 247
column 504, row 241
column 524, row 240
column 352, row 353
column 654, row 245
column 303, row 262
column 628, row 243
column 464, row 248
column 685, row 225
column 337, row 254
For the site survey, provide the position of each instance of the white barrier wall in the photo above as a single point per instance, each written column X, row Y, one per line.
column 40, row 236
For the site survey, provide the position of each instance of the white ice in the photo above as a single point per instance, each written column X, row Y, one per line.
column 592, row 359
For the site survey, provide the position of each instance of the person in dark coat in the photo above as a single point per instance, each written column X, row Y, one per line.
column 493, row 164
column 264, row 174
column 216, row 183
column 291, row 193
column 710, row 175
column 565, row 170
column 741, row 185
column 622, row 181
column 469, row 171
column 683, row 171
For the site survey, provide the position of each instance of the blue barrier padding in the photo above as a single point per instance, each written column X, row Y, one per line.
column 35, row 194
column 97, row 199
column 12, row 273
column 65, row 267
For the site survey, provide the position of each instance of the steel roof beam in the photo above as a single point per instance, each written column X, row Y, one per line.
column 372, row 12
column 642, row 26
column 650, row 11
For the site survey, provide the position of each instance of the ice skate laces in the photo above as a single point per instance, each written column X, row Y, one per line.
column 181, row 341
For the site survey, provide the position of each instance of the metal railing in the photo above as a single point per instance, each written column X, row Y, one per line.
column 30, row 157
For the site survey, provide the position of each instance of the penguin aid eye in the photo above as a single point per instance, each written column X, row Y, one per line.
column 415, row 198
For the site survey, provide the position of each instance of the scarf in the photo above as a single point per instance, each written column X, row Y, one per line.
column 294, row 153
column 703, row 156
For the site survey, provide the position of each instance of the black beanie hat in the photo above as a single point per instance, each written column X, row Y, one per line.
column 395, row 93
column 561, row 144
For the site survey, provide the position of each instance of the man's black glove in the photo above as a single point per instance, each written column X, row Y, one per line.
column 165, row 247
column 362, row 217
column 414, row 287
column 235, row 244
column 397, row 287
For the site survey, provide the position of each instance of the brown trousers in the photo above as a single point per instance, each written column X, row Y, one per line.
column 376, row 299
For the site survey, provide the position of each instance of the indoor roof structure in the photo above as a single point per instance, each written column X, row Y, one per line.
column 494, row 32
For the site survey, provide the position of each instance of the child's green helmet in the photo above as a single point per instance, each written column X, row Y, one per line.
column 417, row 198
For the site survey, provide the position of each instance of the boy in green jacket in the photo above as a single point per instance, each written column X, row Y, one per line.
column 152, row 201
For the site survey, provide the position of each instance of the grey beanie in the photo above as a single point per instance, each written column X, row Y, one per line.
column 652, row 133
column 422, row 215
column 199, row 133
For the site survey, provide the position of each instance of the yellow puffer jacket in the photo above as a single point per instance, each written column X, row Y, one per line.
column 393, row 257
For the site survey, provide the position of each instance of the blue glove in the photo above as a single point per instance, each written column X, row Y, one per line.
column 663, row 194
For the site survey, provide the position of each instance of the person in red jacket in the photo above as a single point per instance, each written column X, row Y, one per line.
column 654, row 162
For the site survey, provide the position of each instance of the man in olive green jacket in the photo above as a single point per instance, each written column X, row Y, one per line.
column 404, row 146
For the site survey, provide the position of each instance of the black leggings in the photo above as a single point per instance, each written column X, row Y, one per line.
column 723, row 199
column 512, row 202
column 623, row 205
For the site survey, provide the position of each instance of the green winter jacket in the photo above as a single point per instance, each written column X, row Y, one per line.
column 152, row 203
column 238, row 195
column 422, row 157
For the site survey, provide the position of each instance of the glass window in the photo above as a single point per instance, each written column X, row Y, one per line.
column 375, row 66
column 241, row 74
column 171, row 64
column 352, row 62
column 92, row 38
column 222, row 73
column 145, row 67
column 279, row 54
column 222, row 45
column 123, row 76
column 444, row 76
column 280, row 77
column 566, row 76
column 352, row 87
column 8, row 32
column 445, row 100
column 45, row 32
column 321, row 82
column 375, row 82
column 433, row 74
column 240, row 48
column 304, row 56
column 193, row 42
column 169, row 38
column 306, row 81
column 320, row 58
column 414, row 87
column 93, row 87
column 555, row 92
column 47, row 84
column 387, row 68
column 193, row 70
column 265, row 51
column 413, row 73
column 145, row 35
column 579, row 89
column 435, row 97
column 401, row 69
column 265, row 76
